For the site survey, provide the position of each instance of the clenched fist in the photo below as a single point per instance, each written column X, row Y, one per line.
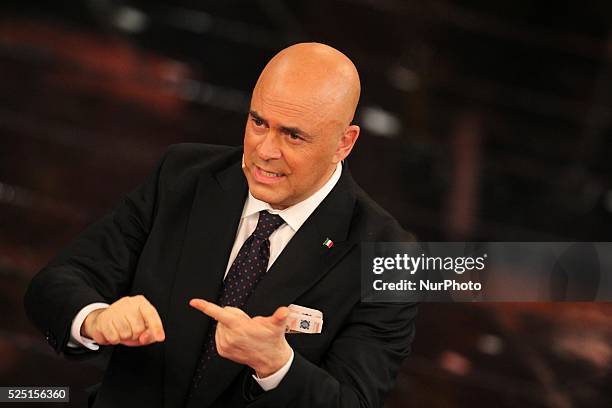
column 131, row 321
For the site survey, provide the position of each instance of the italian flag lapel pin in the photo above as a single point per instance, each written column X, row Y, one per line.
column 328, row 243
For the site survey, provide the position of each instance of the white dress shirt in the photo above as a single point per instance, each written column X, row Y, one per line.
column 293, row 216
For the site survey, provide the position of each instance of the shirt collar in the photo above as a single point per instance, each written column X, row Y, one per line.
column 298, row 213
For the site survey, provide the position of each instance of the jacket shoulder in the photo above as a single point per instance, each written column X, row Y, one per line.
column 185, row 156
column 374, row 223
column 183, row 162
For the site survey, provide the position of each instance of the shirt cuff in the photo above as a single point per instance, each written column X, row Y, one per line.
column 270, row 382
column 76, row 340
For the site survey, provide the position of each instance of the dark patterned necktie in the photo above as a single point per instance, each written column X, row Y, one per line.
column 243, row 276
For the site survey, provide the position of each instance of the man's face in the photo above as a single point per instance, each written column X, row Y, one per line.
column 290, row 145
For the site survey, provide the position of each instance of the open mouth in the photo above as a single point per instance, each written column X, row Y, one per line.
column 265, row 176
column 270, row 174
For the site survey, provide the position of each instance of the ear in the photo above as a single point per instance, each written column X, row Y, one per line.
column 346, row 143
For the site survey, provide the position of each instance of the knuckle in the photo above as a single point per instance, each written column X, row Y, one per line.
column 107, row 326
column 228, row 342
column 118, row 324
column 109, row 332
column 137, row 333
column 111, row 337
column 123, row 300
column 98, row 337
column 98, row 322
column 138, row 327
column 222, row 350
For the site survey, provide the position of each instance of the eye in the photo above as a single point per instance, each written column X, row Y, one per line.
column 295, row 138
column 258, row 122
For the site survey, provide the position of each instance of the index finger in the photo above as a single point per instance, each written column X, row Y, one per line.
column 210, row 309
column 152, row 320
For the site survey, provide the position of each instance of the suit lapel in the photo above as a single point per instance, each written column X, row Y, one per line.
column 209, row 236
column 303, row 262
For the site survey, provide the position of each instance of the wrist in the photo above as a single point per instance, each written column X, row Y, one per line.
column 272, row 365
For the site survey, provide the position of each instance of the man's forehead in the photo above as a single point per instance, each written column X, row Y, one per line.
column 288, row 105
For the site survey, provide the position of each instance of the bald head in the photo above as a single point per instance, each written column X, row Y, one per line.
column 299, row 124
column 317, row 74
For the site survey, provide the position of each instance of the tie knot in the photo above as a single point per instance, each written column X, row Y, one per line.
column 267, row 224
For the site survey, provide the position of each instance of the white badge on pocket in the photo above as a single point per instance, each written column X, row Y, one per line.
column 304, row 320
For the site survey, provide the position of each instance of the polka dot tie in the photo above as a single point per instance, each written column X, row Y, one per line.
column 243, row 276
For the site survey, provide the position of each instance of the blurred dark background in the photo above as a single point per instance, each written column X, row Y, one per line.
column 480, row 120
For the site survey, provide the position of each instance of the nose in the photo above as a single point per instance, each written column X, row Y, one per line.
column 269, row 147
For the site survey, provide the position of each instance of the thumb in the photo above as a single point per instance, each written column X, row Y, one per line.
column 280, row 316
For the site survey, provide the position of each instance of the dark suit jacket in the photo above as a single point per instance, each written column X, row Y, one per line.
column 170, row 240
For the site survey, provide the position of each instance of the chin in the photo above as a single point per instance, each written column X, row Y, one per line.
column 263, row 195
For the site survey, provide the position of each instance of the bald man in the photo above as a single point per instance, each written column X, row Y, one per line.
column 189, row 279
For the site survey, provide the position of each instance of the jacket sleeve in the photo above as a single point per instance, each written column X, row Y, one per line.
column 97, row 266
column 359, row 368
